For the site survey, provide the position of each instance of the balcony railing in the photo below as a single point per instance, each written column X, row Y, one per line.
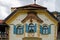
column 3, row 36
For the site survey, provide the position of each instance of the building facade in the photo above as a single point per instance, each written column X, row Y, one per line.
column 31, row 22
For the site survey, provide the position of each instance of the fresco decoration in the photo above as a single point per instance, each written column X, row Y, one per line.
column 31, row 28
column 18, row 29
column 32, row 15
column 45, row 29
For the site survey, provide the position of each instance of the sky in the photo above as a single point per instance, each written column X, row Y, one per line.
column 5, row 5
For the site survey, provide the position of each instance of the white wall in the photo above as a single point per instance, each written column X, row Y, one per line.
column 18, row 21
column 47, row 21
column 13, row 36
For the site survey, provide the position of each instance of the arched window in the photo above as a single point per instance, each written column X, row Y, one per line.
column 31, row 28
column 45, row 29
column 19, row 29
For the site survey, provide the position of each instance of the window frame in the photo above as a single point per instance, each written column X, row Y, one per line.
column 27, row 28
column 18, row 28
column 45, row 31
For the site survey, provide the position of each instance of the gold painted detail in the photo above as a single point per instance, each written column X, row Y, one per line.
column 32, row 38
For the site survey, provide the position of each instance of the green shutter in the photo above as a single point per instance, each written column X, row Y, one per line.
column 22, row 29
column 14, row 30
column 35, row 28
column 41, row 29
column 49, row 29
column 26, row 27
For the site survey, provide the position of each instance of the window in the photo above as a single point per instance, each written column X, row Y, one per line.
column 45, row 29
column 31, row 28
column 19, row 29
